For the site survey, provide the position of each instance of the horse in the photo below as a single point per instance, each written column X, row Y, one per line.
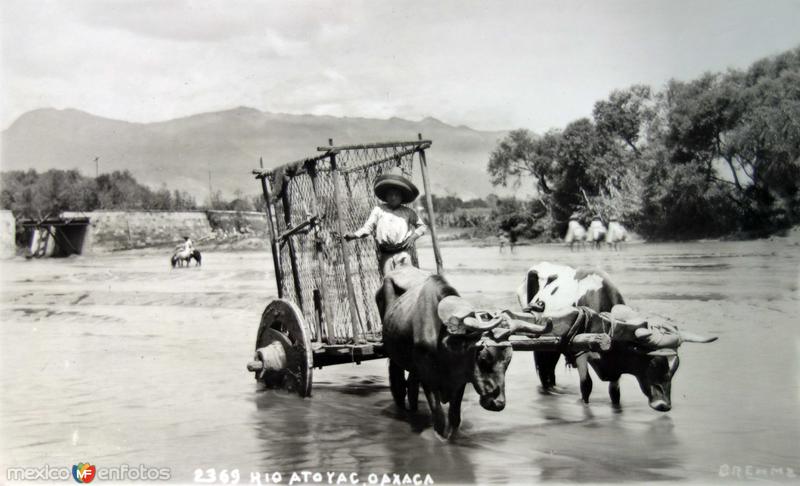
column 616, row 235
column 576, row 234
column 597, row 234
column 178, row 259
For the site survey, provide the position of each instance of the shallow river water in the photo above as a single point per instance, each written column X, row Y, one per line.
column 119, row 360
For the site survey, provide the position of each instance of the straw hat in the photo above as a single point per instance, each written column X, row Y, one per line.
column 394, row 179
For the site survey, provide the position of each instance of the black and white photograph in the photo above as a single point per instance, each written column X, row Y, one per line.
column 316, row 242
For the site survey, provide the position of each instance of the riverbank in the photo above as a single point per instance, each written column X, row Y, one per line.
column 250, row 241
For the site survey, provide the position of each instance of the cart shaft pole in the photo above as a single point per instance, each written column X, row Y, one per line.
column 267, row 190
column 423, row 163
column 348, row 270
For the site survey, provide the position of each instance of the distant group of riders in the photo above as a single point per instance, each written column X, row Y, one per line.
column 597, row 234
column 577, row 235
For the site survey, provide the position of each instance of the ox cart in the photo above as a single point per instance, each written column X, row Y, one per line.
column 325, row 313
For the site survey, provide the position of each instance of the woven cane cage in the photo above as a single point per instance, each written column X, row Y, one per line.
column 311, row 203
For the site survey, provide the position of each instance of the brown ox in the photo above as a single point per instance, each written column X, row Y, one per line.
column 444, row 343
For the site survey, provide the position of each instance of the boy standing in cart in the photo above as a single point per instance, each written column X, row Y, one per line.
column 395, row 227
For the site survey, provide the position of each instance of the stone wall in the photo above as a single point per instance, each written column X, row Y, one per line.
column 242, row 222
column 8, row 232
column 124, row 230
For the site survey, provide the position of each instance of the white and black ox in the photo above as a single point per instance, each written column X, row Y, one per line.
column 649, row 352
column 444, row 343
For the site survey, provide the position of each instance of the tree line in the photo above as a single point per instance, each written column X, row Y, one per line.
column 490, row 215
column 714, row 156
column 29, row 194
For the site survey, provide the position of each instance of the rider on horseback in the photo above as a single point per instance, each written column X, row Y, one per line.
column 185, row 250
column 184, row 253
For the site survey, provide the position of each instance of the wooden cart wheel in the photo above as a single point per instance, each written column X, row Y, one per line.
column 283, row 348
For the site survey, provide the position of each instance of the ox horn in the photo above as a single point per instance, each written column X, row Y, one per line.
column 460, row 316
column 478, row 324
column 522, row 323
column 689, row 337
column 527, row 323
column 537, row 306
column 669, row 337
column 657, row 338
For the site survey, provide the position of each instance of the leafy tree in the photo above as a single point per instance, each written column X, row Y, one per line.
column 32, row 195
column 258, row 203
column 711, row 156
column 240, row 204
column 523, row 154
column 120, row 190
column 745, row 122
column 679, row 204
column 624, row 115
column 183, row 200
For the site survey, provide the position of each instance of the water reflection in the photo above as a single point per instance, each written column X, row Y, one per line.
column 602, row 447
column 550, row 437
column 309, row 434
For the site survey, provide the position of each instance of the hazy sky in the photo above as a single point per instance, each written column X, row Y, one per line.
column 486, row 64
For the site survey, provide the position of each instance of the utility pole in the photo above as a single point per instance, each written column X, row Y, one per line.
column 96, row 167
column 210, row 192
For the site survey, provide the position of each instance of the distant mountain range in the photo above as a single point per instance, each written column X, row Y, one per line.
column 181, row 153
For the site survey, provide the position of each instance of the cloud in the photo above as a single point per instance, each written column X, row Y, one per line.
column 175, row 19
column 490, row 65
column 214, row 20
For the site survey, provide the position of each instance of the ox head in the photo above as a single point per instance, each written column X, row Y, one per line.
column 483, row 338
column 654, row 353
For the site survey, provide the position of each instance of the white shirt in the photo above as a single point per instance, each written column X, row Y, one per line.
column 616, row 232
column 391, row 227
column 596, row 228
column 577, row 229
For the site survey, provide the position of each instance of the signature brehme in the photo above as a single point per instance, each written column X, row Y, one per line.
column 749, row 471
